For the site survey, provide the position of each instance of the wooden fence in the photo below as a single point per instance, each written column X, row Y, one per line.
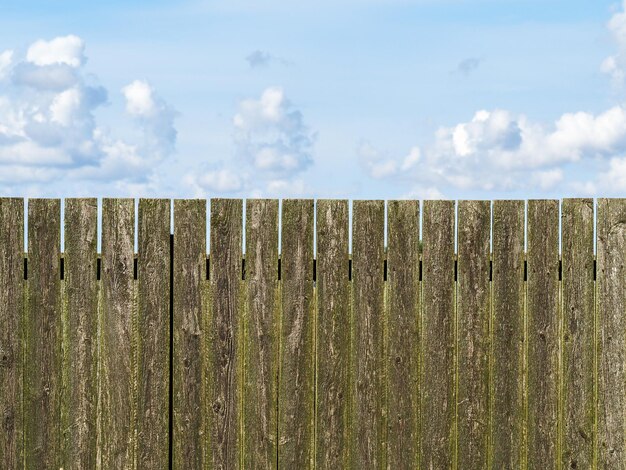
column 505, row 352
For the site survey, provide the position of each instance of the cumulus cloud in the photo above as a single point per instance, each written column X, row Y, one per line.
column 259, row 59
column 67, row 50
column 615, row 65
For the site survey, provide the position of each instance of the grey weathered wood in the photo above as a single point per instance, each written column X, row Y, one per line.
column 507, row 419
column 611, row 340
column 367, row 429
column 333, row 335
column 189, row 446
column 224, row 334
column 437, row 376
column 42, row 360
column 578, row 333
column 473, row 311
column 403, row 303
column 296, row 376
column 542, row 312
column 11, row 337
column 80, row 394
column 261, row 335
column 117, row 410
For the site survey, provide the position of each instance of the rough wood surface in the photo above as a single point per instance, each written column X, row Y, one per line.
column 117, row 411
column 542, row 324
column 189, row 371
column 224, row 334
column 611, row 340
column 368, row 380
column 473, row 311
column 333, row 335
column 437, row 376
column 11, row 338
column 261, row 335
column 80, row 315
column 296, row 376
column 507, row 374
column 42, row 360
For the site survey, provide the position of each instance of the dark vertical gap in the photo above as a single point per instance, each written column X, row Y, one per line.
column 62, row 267
column 314, row 269
column 350, row 269
column 279, row 273
column 594, row 269
column 420, row 270
column 171, row 383
column 490, row 270
column 243, row 268
column 525, row 270
column 135, row 269
column 208, row 268
column 26, row 268
column 385, row 270
column 560, row 270
column 98, row 268
column 456, row 269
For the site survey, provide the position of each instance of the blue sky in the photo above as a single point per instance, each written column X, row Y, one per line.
column 369, row 99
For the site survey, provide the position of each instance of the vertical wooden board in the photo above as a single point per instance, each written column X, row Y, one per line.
column 296, row 375
column 42, row 361
column 611, row 324
column 542, row 311
column 153, row 328
column 78, row 411
column 117, row 410
column 473, row 311
column 578, row 333
column 11, row 339
column 332, row 335
column 437, row 376
column 402, row 356
column 224, row 335
column 507, row 376
column 189, row 371
column 261, row 335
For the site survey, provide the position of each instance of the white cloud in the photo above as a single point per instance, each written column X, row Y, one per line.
column 221, row 180
column 615, row 64
column 6, row 58
column 61, row 50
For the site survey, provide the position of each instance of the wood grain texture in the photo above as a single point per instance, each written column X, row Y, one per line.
column 578, row 333
column 367, row 429
column 542, row 311
column 296, row 376
column 11, row 338
column 80, row 361
column 473, row 311
column 42, row 371
column 507, row 419
column 403, row 303
column 437, row 376
column 117, row 410
column 611, row 340
column 333, row 335
column 224, row 334
column 261, row 335
column 189, row 368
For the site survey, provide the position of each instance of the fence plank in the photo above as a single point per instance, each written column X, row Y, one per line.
column 42, row 361
column 224, row 333
column 578, row 334
column 437, row 354
column 189, row 371
column 80, row 392
column 473, row 311
column 11, row 336
column 542, row 312
column 261, row 335
column 403, row 303
column 296, row 376
column 508, row 335
column 117, row 338
column 333, row 335
column 611, row 324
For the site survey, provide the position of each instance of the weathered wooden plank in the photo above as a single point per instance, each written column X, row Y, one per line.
column 42, row 360
column 402, row 357
column 473, row 311
column 437, row 353
column 333, row 335
column 224, row 334
column 117, row 410
column 542, row 312
column 80, row 315
column 611, row 324
column 296, row 376
column 189, row 371
column 578, row 333
column 11, row 337
column 261, row 335
column 508, row 335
